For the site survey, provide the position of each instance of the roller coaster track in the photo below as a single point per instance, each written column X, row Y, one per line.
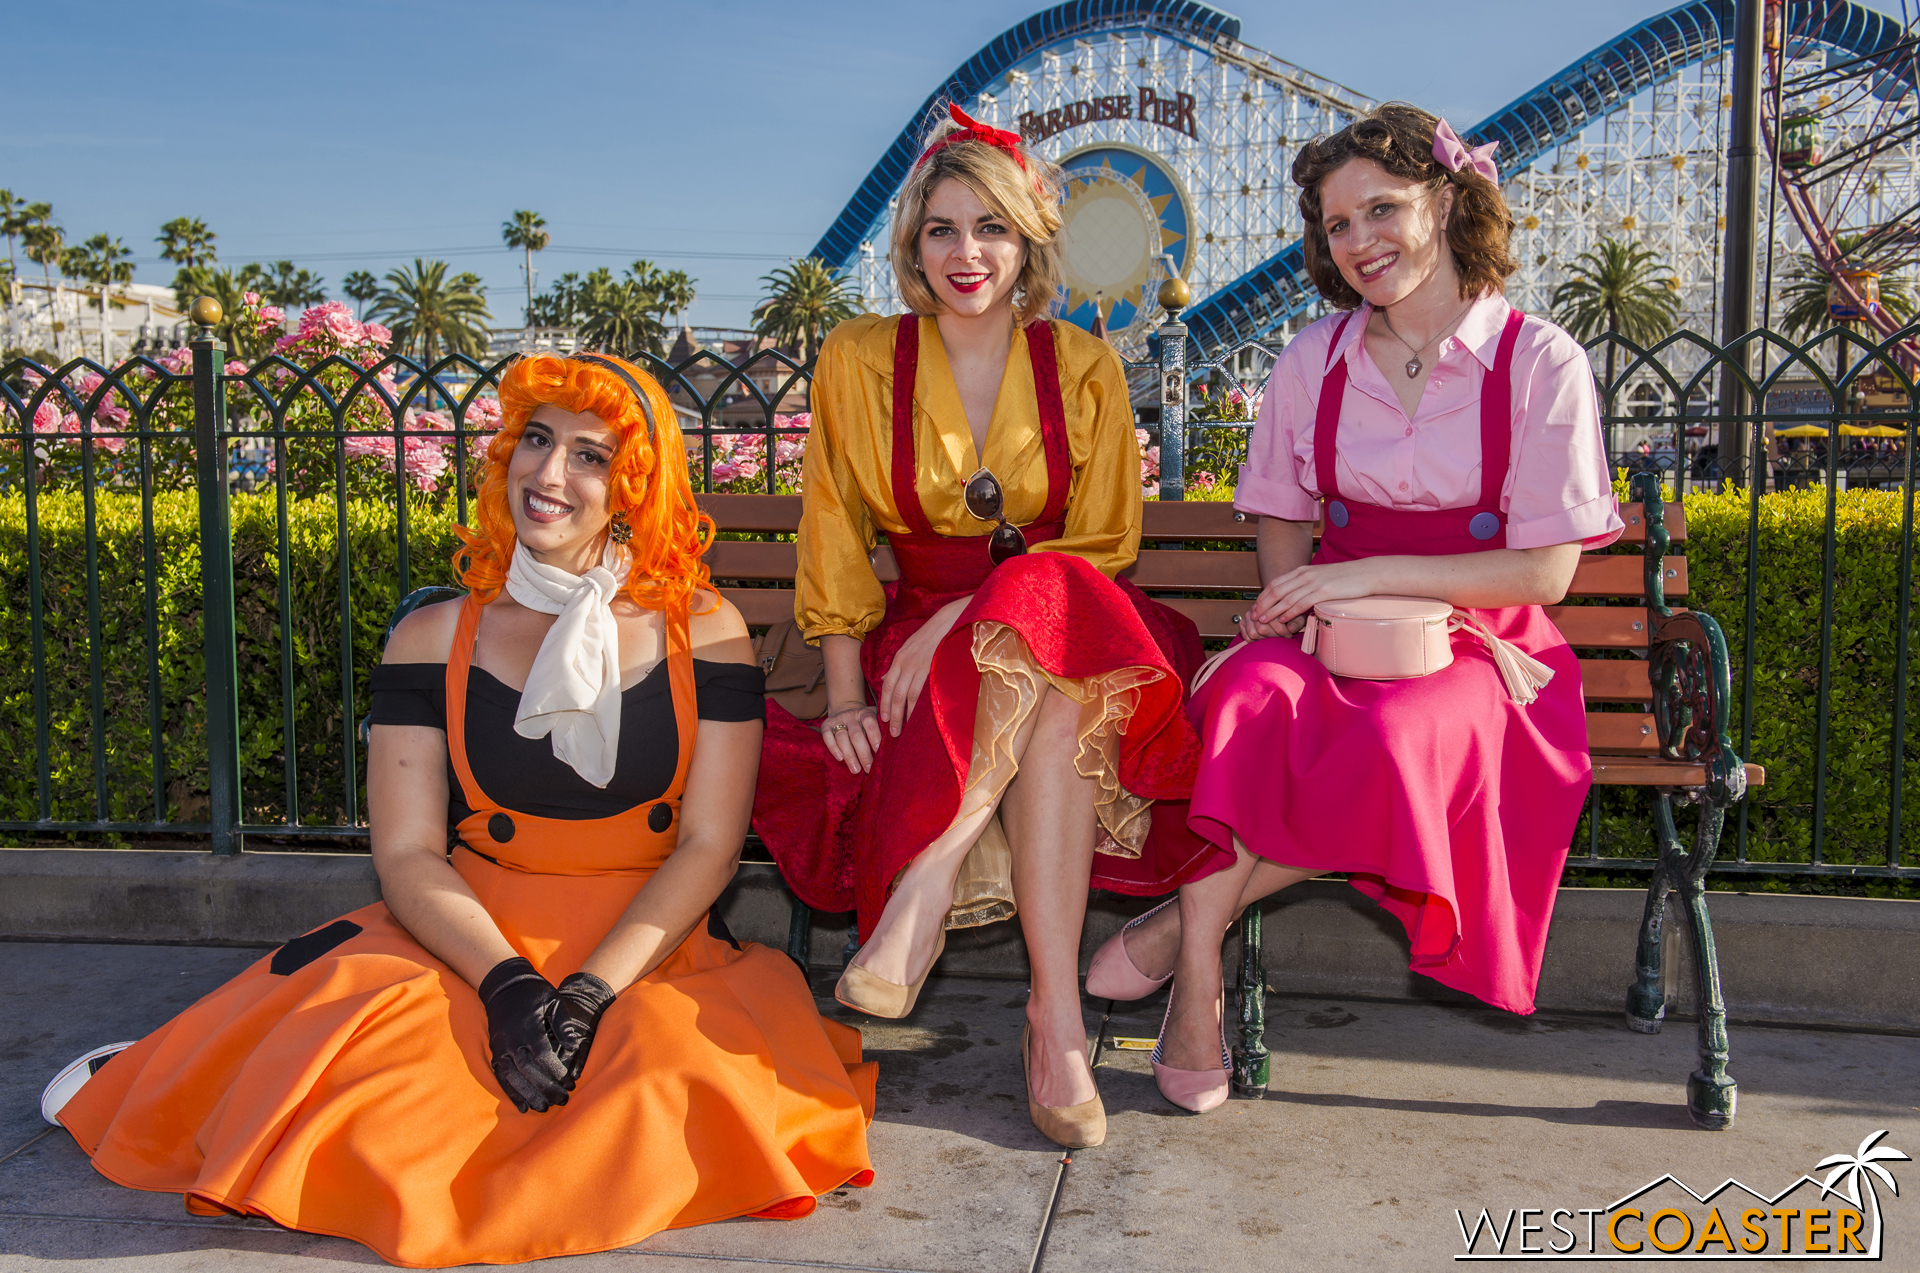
column 1553, row 112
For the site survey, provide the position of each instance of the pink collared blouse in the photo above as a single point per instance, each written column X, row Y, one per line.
column 1558, row 489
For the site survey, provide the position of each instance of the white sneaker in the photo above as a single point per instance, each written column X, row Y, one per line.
column 74, row 1077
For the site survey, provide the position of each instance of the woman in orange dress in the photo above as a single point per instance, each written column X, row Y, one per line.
column 543, row 1042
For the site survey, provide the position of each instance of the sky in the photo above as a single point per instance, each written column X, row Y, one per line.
column 720, row 137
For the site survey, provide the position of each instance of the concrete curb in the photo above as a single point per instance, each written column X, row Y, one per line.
column 1817, row 961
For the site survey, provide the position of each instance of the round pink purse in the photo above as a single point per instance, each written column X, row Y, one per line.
column 1380, row 638
column 1389, row 638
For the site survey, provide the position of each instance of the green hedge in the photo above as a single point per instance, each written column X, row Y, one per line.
column 1787, row 658
column 314, row 552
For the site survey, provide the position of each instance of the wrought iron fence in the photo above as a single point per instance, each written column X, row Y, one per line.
column 177, row 691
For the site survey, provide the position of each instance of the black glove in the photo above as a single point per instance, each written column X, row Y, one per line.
column 577, row 1010
column 519, row 1002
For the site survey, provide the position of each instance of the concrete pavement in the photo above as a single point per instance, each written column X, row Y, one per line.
column 1383, row 1118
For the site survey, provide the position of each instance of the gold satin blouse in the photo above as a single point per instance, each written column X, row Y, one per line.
column 847, row 475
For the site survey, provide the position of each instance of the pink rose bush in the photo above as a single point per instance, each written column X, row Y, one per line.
column 740, row 459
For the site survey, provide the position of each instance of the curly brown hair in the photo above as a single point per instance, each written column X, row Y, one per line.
column 1399, row 138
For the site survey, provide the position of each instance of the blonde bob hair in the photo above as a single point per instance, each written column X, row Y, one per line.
column 1028, row 198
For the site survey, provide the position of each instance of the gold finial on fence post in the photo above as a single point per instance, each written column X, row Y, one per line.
column 1174, row 296
column 206, row 314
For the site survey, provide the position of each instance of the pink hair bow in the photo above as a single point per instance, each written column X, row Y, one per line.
column 1453, row 155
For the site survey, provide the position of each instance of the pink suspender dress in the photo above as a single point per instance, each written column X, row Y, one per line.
column 1447, row 802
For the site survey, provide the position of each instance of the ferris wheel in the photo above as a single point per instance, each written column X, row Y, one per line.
column 1844, row 133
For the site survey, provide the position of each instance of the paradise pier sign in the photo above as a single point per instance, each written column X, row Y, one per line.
column 1116, row 94
column 1174, row 112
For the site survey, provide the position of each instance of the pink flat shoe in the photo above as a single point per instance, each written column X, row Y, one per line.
column 1112, row 974
column 1196, row 1090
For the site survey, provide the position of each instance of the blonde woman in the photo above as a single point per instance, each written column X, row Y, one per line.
column 1004, row 722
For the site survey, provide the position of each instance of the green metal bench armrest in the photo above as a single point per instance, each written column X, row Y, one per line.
column 1688, row 665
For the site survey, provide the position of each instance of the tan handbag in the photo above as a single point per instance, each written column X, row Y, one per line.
column 796, row 672
column 1397, row 638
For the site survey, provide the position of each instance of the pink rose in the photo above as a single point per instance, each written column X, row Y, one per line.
column 377, row 335
column 334, row 320
column 483, row 413
column 369, row 444
column 250, row 299
column 426, row 461
column 272, row 316
column 726, row 472
column 236, row 368
column 46, row 418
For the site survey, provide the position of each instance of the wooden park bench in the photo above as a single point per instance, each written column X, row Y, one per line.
column 1667, row 730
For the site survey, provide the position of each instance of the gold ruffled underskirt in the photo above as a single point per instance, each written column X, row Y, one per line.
column 1010, row 686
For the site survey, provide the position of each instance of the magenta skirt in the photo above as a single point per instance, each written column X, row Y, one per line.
column 1450, row 804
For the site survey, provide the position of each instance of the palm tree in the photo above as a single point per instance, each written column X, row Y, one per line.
column 805, row 301
column 622, row 316
column 360, row 287
column 422, row 305
column 47, row 244
column 101, row 260
column 286, row 285
column 186, row 241
column 677, row 294
column 1854, row 1166
column 1622, row 289
column 559, row 305
column 15, row 216
column 528, row 232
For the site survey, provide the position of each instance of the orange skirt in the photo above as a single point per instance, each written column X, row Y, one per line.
column 353, row 1095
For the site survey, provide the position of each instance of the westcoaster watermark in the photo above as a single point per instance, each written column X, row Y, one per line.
column 1665, row 1219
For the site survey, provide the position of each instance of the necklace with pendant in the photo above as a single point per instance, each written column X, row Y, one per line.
column 1413, row 364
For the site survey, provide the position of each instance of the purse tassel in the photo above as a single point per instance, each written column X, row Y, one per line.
column 1525, row 675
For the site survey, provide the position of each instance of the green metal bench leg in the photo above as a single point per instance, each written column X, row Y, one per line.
column 1250, row 1061
column 1647, row 997
column 800, row 934
column 1711, row 1091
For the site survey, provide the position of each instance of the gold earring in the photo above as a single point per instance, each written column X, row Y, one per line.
column 620, row 532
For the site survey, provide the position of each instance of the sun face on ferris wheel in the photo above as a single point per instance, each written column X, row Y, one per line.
column 1121, row 213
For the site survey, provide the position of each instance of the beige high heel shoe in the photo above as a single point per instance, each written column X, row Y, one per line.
column 878, row 997
column 1079, row 1126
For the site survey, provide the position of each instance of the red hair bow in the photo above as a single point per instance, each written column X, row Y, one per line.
column 972, row 129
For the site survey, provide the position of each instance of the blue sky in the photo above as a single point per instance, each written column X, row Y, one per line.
column 717, row 136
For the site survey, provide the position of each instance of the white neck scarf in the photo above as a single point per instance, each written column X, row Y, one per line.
column 573, row 689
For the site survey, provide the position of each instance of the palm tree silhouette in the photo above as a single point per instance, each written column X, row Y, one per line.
column 528, row 232
column 1623, row 288
column 360, row 287
column 1855, row 1166
column 427, row 307
column 804, row 302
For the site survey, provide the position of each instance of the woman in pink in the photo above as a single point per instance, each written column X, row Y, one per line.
column 1451, row 446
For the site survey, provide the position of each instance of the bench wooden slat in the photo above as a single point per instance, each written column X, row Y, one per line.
column 761, row 607
column 1615, row 681
column 1621, row 734
column 1601, row 627
column 1631, row 771
column 763, row 513
column 1619, row 576
column 1160, row 519
column 752, row 559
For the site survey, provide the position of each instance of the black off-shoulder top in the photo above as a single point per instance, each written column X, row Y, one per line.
column 523, row 775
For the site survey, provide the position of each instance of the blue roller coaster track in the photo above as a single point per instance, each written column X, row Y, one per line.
column 1553, row 112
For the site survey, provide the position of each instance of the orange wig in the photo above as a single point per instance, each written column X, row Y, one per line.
column 647, row 481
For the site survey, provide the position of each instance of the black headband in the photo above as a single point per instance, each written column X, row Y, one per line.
column 653, row 434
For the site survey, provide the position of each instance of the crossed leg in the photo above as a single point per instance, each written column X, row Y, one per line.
column 1047, row 810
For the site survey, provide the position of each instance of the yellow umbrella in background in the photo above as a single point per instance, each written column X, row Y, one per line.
column 1846, row 430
